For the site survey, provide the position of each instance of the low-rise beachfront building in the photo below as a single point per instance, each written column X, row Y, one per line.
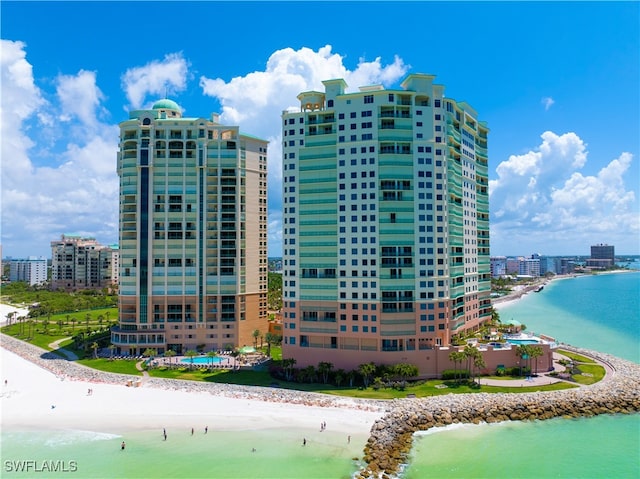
column 386, row 224
column 193, row 233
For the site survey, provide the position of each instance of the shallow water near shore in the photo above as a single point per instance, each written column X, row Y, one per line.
column 600, row 312
column 217, row 454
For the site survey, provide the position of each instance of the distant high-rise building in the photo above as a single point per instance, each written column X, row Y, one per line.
column 386, row 224
column 498, row 266
column 32, row 270
column 602, row 256
column 82, row 263
column 193, row 233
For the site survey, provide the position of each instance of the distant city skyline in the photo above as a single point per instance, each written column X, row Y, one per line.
column 556, row 83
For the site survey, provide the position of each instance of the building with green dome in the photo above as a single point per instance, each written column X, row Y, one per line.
column 193, row 233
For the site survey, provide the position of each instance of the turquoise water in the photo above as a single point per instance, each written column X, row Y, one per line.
column 203, row 360
column 217, row 454
column 597, row 312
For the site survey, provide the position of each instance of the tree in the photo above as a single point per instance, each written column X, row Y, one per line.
column 535, row 351
column 288, row 365
column 256, row 335
column 149, row 352
column 523, row 351
column 73, row 324
column 324, row 368
column 211, row 355
column 367, row 370
column 191, row 354
column 111, row 348
column 100, row 320
column 478, row 362
column 339, row 377
column 269, row 338
column 169, row 353
column 309, row 373
column 405, row 371
column 470, row 353
column 94, row 347
column 457, row 357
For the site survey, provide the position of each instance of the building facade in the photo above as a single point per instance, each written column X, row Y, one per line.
column 82, row 263
column 193, row 233
column 32, row 270
column 602, row 256
column 386, row 224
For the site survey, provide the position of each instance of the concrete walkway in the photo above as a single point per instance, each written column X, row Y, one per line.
column 145, row 374
column 541, row 379
column 55, row 348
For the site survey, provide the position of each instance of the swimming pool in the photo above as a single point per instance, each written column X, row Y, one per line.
column 523, row 341
column 203, row 360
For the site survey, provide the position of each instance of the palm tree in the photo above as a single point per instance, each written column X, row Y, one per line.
column 67, row 319
column 86, row 320
column 288, row 365
column 478, row 363
column 324, row 368
column 100, row 320
column 94, row 347
column 339, row 376
column 256, row 335
column 535, row 352
column 211, row 355
column 269, row 338
column 366, row 370
column 523, row 351
column 309, row 373
column 456, row 357
column 73, row 324
column 470, row 353
column 111, row 348
column 191, row 354
column 169, row 353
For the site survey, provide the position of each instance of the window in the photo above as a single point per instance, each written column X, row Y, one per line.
column 368, row 99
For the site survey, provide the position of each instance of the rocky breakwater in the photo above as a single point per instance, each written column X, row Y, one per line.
column 392, row 436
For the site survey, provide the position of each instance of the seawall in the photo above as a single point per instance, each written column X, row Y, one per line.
column 392, row 436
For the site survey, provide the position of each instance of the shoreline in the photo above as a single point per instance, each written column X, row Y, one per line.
column 515, row 296
column 38, row 380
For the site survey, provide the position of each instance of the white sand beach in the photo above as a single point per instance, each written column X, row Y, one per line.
column 6, row 309
column 31, row 391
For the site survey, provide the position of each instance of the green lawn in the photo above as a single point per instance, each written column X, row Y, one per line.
column 589, row 374
column 122, row 366
column 575, row 357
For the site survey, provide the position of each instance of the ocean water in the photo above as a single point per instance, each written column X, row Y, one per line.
column 218, row 454
column 599, row 312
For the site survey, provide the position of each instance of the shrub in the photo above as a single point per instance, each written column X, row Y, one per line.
column 455, row 374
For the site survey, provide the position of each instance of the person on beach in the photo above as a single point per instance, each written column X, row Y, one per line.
column 206, row 429
column 192, row 431
column 164, row 433
column 122, row 446
column 348, row 439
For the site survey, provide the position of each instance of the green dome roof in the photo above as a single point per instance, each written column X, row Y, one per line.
column 166, row 104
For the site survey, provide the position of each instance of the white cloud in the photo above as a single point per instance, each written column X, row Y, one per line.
column 166, row 77
column 78, row 191
column 79, row 97
column 548, row 102
column 248, row 100
column 540, row 198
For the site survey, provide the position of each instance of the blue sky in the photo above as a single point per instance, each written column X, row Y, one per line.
column 557, row 83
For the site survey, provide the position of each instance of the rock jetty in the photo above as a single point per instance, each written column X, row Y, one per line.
column 392, row 436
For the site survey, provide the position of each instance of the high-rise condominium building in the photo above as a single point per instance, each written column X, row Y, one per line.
column 32, row 270
column 79, row 263
column 602, row 255
column 193, row 233
column 386, row 224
